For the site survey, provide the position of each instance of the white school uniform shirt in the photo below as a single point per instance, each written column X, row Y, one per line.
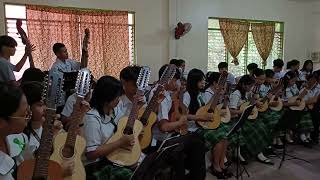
column 279, row 75
column 6, row 70
column 231, row 79
column 192, row 127
column 207, row 95
column 317, row 90
column 65, row 66
column 98, row 129
column 264, row 89
column 163, row 114
column 235, row 99
column 290, row 92
column 303, row 75
column 17, row 144
column 68, row 107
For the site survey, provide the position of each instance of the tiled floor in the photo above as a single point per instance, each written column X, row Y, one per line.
column 291, row 169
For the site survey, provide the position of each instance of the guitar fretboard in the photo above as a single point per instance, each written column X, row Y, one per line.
column 151, row 106
column 133, row 115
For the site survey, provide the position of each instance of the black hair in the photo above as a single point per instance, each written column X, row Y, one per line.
column 57, row 46
column 211, row 77
column 173, row 61
column 194, row 77
column 180, row 62
column 258, row 72
column 278, row 63
column 244, row 80
column 222, row 65
column 130, row 73
column 33, row 91
column 33, row 74
column 313, row 75
column 269, row 73
column 295, row 62
column 10, row 96
column 7, row 41
column 252, row 66
column 304, row 68
column 287, row 77
column 107, row 89
column 177, row 75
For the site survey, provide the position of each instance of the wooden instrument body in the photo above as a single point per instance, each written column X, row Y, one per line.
column 146, row 136
column 226, row 111
column 123, row 156
column 203, row 111
column 297, row 108
column 59, row 141
column 279, row 106
column 26, row 169
column 254, row 113
column 264, row 107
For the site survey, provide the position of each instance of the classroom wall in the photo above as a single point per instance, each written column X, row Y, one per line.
column 315, row 29
column 152, row 35
column 193, row 47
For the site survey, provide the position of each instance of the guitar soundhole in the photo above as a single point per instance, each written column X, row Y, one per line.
column 144, row 121
column 67, row 152
column 128, row 131
column 210, row 110
column 39, row 178
column 276, row 99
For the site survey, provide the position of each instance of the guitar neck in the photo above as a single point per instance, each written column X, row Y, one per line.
column 45, row 148
column 152, row 105
column 31, row 60
column 132, row 116
column 70, row 143
column 84, row 58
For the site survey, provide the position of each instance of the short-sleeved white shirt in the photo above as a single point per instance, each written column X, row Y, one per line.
column 65, row 66
column 236, row 100
column 6, row 70
column 68, row 107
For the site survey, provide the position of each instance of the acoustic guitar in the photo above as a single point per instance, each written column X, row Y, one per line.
column 254, row 113
column 25, row 40
column 41, row 167
column 70, row 145
column 224, row 109
column 279, row 101
column 147, row 115
column 265, row 101
column 130, row 125
column 211, row 107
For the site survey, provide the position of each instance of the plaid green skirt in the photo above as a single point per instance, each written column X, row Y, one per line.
column 111, row 172
column 270, row 119
column 254, row 137
column 214, row 136
column 305, row 124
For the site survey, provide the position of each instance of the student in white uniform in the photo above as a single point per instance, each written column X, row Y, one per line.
column 193, row 157
column 33, row 93
column 250, row 68
column 223, row 66
column 278, row 68
column 316, row 112
column 8, row 48
column 14, row 115
column 306, row 70
column 100, row 123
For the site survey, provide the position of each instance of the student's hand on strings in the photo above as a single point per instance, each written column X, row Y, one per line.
column 207, row 117
column 57, row 125
column 160, row 97
column 68, row 167
column 127, row 141
column 140, row 99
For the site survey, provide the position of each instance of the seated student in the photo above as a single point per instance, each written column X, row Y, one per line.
column 193, row 157
column 305, row 125
column 217, row 138
column 33, row 74
column 250, row 68
column 33, row 93
column 14, row 116
column 315, row 113
column 278, row 68
column 223, row 66
column 306, row 70
column 100, row 124
column 63, row 63
column 8, row 48
column 180, row 63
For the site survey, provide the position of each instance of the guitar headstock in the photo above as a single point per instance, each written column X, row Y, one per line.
column 143, row 78
column 52, row 93
column 86, row 39
column 168, row 74
column 83, row 82
column 22, row 33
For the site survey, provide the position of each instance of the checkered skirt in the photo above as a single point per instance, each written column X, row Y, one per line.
column 111, row 172
column 305, row 124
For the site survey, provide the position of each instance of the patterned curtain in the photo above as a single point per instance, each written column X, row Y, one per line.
column 47, row 26
column 109, row 41
column 109, row 36
column 263, row 35
column 235, row 34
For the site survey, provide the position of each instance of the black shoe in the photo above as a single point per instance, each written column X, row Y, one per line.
column 277, row 146
column 269, row 151
column 227, row 173
column 219, row 175
column 306, row 144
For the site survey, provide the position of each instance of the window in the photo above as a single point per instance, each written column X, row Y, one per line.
column 14, row 12
column 217, row 51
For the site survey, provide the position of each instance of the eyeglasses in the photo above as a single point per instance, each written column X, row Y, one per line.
column 27, row 117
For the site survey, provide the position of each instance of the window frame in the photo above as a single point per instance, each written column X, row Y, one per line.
column 227, row 56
